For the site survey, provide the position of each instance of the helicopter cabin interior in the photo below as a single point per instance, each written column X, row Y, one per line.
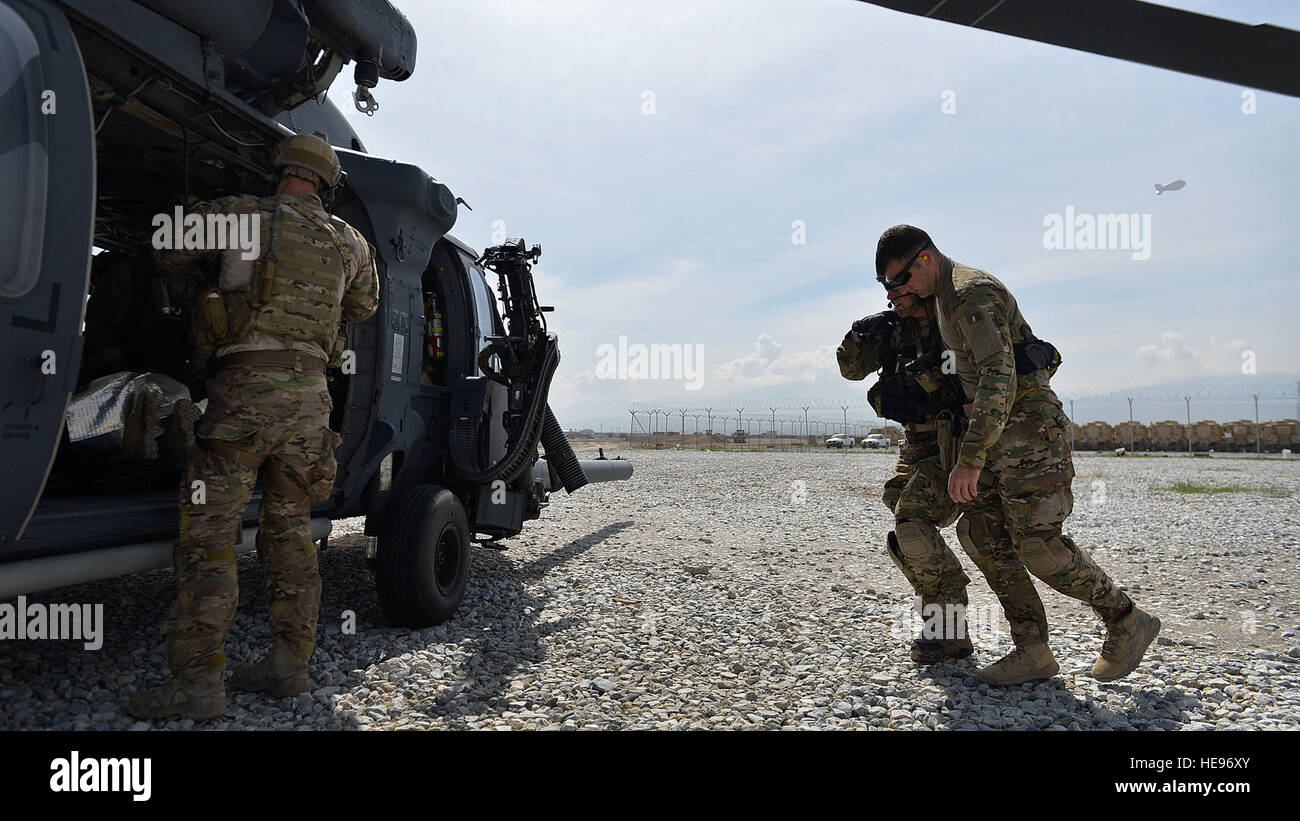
column 159, row 146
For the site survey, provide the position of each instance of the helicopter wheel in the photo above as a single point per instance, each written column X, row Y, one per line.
column 424, row 557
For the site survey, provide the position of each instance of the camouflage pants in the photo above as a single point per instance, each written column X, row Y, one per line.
column 260, row 422
column 921, row 506
column 916, row 446
column 1013, row 528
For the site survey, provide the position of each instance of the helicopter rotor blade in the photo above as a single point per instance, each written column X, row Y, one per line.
column 1263, row 56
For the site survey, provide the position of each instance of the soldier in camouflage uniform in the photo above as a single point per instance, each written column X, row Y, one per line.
column 1014, row 462
column 270, row 325
column 915, row 494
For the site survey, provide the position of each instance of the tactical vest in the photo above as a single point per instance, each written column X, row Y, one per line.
column 913, row 388
column 293, row 293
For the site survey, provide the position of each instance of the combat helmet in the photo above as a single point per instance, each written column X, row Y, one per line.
column 309, row 153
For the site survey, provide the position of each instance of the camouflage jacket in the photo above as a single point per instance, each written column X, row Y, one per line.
column 358, row 289
column 980, row 323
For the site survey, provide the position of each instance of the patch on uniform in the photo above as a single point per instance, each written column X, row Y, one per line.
column 982, row 333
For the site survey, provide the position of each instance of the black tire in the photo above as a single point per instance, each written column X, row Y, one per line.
column 424, row 557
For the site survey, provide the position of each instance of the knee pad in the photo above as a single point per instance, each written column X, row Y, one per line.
column 1042, row 555
column 891, row 547
column 916, row 540
column 896, row 556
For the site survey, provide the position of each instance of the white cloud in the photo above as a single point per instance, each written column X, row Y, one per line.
column 1171, row 349
column 1174, row 358
column 769, row 366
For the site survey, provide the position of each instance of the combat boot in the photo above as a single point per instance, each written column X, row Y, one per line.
column 281, row 673
column 181, row 697
column 933, row 651
column 1126, row 642
column 141, row 422
column 1030, row 662
column 178, row 442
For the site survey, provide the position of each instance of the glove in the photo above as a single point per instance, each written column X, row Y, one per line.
column 883, row 322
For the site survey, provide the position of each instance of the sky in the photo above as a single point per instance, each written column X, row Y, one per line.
column 714, row 175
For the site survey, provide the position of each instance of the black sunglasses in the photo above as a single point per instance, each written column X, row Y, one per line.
column 904, row 273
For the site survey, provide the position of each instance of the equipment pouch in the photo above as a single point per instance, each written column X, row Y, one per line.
column 323, row 471
column 931, row 380
column 239, row 315
column 211, row 329
column 945, row 432
column 210, row 320
column 262, row 286
column 903, row 400
column 873, row 399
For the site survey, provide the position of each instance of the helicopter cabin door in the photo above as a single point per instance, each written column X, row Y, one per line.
column 47, row 183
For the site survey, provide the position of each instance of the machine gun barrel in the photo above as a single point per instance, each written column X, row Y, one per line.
column 606, row 470
column 596, row 470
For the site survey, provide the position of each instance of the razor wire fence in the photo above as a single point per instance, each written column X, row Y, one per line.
column 789, row 422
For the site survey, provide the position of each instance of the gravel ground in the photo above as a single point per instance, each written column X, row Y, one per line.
column 746, row 590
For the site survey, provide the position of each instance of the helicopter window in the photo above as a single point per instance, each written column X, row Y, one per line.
column 23, row 168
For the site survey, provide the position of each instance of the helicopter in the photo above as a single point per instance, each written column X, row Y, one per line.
column 116, row 112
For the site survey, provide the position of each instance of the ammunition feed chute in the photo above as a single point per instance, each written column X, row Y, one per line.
column 526, row 359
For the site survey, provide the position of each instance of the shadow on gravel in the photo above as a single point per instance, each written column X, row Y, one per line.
column 987, row 707
column 64, row 684
column 57, row 683
column 498, row 625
